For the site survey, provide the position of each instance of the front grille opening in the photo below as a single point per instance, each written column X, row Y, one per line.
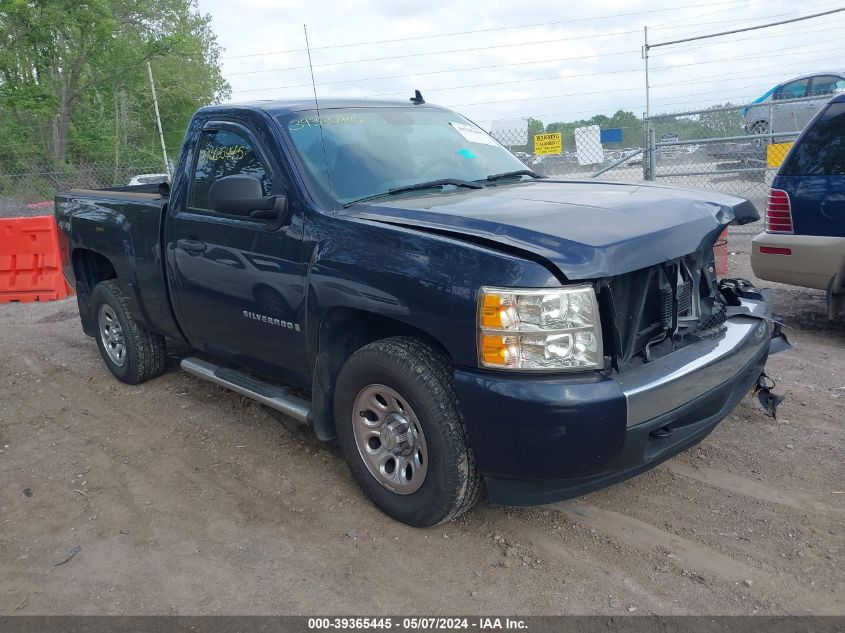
column 660, row 306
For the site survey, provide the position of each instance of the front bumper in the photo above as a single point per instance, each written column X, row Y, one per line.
column 543, row 439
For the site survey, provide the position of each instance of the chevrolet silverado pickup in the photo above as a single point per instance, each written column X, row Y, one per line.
column 389, row 274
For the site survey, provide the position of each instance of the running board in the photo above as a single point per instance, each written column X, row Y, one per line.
column 268, row 394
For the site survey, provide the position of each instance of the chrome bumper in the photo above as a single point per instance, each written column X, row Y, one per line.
column 666, row 383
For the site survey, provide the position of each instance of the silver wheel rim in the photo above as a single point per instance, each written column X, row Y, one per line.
column 111, row 335
column 390, row 439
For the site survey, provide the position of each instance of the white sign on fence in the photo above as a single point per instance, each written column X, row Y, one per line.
column 510, row 131
column 588, row 145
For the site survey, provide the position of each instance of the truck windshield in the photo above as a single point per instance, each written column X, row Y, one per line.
column 369, row 151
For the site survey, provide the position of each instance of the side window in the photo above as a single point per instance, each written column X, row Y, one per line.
column 792, row 90
column 821, row 150
column 225, row 153
column 827, row 84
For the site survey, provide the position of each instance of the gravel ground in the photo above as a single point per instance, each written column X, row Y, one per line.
column 179, row 497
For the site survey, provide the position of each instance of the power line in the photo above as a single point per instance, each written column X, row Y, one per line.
column 599, row 74
column 691, row 29
column 497, row 66
column 669, row 24
column 768, row 37
column 487, row 30
column 422, row 74
column 615, row 72
column 510, row 45
column 747, row 28
column 648, row 47
column 456, row 50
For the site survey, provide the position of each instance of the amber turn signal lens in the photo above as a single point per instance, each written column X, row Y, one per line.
column 494, row 349
column 491, row 312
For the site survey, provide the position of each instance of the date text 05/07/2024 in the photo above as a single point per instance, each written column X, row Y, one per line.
column 417, row 623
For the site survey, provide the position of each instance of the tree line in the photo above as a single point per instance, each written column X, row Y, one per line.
column 713, row 123
column 74, row 88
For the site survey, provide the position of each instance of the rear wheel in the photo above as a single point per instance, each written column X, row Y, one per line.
column 131, row 353
column 401, row 432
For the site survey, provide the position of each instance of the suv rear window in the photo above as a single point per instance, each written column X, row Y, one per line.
column 821, row 151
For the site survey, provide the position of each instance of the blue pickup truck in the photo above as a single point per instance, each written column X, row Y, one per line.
column 391, row 275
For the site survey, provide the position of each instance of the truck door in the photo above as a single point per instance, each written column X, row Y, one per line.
column 237, row 282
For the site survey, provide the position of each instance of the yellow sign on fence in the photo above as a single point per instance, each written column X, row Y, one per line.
column 548, row 143
column 776, row 152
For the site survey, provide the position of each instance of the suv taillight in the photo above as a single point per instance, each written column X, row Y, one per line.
column 778, row 212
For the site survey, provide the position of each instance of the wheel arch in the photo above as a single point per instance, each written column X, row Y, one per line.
column 343, row 331
column 89, row 268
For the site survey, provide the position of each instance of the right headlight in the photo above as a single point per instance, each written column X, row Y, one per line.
column 539, row 329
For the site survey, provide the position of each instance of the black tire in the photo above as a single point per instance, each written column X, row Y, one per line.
column 422, row 376
column 144, row 352
column 761, row 127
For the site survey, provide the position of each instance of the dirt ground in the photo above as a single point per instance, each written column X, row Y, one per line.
column 180, row 497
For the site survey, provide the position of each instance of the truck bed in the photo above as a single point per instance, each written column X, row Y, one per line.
column 124, row 226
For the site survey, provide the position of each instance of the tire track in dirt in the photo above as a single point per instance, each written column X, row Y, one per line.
column 753, row 489
column 705, row 560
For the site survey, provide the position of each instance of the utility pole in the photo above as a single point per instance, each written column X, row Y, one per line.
column 645, row 58
column 158, row 120
column 117, row 138
column 648, row 148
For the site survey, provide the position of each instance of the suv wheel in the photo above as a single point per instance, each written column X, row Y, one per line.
column 401, row 432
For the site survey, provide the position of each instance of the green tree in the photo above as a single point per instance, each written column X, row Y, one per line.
column 535, row 126
column 73, row 73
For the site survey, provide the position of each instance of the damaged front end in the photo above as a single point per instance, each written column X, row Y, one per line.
column 660, row 309
column 678, row 333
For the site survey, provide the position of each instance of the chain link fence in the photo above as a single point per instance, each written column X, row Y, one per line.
column 578, row 152
column 31, row 193
column 735, row 149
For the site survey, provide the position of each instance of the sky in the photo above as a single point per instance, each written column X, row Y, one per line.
column 551, row 60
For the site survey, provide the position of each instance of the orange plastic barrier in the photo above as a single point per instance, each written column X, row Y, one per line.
column 30, row 264
column 720, row 252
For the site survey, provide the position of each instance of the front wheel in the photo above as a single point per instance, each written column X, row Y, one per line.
column 401, row 431
column 759, row 129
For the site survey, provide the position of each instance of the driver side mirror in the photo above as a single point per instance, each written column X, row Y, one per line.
column 243, row 195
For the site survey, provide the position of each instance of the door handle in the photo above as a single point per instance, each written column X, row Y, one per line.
column 191, row 246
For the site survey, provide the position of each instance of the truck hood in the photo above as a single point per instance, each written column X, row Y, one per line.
column 586, row 229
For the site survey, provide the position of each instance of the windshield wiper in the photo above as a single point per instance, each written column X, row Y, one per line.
column 441, row 182
column 511, row 174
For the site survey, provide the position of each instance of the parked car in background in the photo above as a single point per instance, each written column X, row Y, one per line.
column 147, row 179
column 778, row 110
column 804, row 239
